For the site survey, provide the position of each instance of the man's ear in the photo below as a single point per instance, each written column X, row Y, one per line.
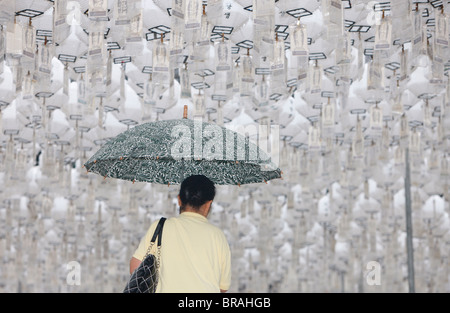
column 179, row 200
column 206, row 208
column 209, row 203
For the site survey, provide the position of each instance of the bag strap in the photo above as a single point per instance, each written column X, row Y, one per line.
column 158, row 232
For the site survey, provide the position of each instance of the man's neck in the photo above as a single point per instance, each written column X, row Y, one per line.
column 202, row 211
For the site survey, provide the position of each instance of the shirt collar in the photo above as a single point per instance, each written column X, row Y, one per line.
column 194, row 215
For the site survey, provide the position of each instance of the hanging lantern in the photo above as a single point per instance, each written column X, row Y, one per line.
column 14, row 40
column 383, row 34
column 328, row 115
column 314, row 138
column 358, row 141
column 376, row 119
column 299, row 39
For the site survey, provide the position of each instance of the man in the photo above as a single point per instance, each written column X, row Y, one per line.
column 195, row 255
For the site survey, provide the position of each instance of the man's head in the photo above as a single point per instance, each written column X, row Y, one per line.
column 196, row 194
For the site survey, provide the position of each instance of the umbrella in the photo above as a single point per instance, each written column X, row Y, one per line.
column 168, row 151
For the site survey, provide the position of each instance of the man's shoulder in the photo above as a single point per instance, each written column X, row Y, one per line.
column 219, row 233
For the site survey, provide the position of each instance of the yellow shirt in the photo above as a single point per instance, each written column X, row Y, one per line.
column 195, row 255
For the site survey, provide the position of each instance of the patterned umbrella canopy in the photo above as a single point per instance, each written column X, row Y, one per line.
column 168, row 151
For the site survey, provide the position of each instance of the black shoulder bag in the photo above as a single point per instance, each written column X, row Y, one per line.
column 145, row 278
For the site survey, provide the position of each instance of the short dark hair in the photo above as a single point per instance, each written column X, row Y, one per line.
column 195, row 191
